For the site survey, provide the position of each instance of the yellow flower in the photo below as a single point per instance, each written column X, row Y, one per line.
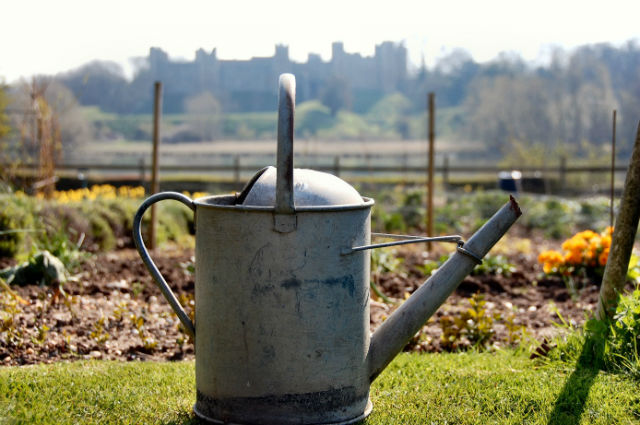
column 197, row 195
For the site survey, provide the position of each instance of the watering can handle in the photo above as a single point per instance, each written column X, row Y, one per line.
column 284, row 160
column 146, row 259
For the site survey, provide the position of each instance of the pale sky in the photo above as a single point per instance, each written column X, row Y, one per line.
column 51, row 36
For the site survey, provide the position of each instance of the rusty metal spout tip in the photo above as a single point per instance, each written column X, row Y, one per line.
column 514, row 206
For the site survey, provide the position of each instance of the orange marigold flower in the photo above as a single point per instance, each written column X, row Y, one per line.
column 575, row 244
column 573, row 257
column 604, row 255
column 550, row 256
column 550, row 260
column 587, row 234
column 584, row 249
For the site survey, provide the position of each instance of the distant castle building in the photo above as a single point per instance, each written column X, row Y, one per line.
column 251, row 85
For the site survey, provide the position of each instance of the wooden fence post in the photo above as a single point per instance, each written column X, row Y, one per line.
column 143, row 176
column 445, row 172
column 563, row 174
column 155, row 187
column 236, row 169
column 431, row 135
column 404, row 169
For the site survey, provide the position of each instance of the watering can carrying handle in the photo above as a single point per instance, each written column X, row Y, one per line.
column 284, row 218
column 146, row 259
column 284, row 173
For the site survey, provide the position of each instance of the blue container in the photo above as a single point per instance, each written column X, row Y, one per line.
column 510, row 181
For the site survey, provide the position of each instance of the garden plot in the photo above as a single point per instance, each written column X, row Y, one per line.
column 113, row 310
column 110, row 308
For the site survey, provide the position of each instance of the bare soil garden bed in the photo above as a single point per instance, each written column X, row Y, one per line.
column 113, row 310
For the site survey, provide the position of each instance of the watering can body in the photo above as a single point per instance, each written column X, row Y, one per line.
column 282, row 318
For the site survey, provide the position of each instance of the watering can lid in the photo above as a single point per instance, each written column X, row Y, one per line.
column 285, row 188
column 310, row 188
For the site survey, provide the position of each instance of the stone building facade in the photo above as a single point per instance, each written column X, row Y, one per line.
column 251, row 85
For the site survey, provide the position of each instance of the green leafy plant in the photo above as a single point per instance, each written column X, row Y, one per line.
column 82, row 220
column 452, row 332
column 10, row 331
column 66, row 337
column 41, row 337
column 610, row 344
column 623, row 343
column 57, row 242
column 633, row 273
column 474, row 327
column 429, row 266
column 187, row 301
column 554, row 215
column 99, row 332
column 388, row 221
column 136, row 288
column 148, row 342
column 495, row 265
column 16, row 222
column 516, row 334
column 120, row 312
column 189, row 267
column 478, row 322
column 384, row 261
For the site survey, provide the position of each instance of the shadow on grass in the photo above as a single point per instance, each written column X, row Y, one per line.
column 571, row 402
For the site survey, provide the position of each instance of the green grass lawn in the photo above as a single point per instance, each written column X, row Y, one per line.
column 503, row 388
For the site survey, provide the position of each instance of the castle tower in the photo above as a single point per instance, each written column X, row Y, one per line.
column 391, row 66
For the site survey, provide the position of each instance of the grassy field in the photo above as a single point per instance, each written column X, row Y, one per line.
column 262, row 125
column 500, row 388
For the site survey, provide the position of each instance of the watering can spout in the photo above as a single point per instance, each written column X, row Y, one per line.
column 397, row 330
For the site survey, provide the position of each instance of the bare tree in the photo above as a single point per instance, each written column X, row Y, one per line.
column 49, row 121
column 74, row 127
column 205, row 115
column 5, row 129
column 624, row 233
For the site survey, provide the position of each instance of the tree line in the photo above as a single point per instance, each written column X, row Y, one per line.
column 565, row 105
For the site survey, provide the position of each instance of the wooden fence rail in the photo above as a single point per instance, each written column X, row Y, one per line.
column 239, row 170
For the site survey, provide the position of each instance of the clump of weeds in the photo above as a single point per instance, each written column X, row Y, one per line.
column 148, row 342
column 100, row 332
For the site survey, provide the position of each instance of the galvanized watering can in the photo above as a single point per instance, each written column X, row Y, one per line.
column 282, row 293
